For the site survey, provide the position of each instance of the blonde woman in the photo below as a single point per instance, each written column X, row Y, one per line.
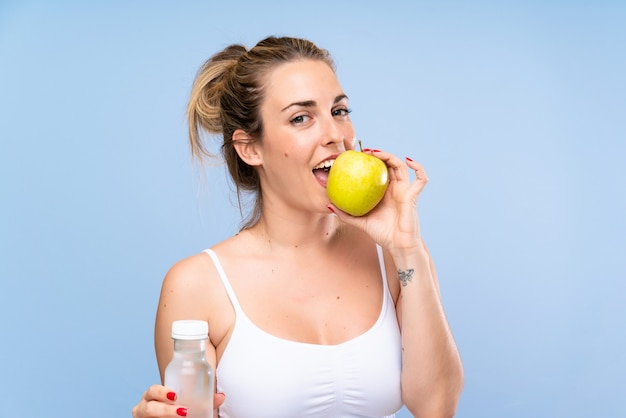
column 312, row 312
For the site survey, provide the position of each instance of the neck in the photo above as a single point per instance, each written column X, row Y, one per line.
column 299, row 231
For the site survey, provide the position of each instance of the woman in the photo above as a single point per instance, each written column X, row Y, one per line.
column 311, row 312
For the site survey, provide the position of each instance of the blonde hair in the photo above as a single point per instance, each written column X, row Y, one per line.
column 227, row 95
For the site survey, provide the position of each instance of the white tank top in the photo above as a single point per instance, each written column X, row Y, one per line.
column 266, row 376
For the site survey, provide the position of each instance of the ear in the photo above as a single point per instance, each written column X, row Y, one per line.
column 247, row 147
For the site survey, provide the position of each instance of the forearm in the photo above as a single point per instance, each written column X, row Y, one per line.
column 432, row 374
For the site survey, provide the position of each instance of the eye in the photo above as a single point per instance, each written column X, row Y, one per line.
column 300, row 119
column 342, row 111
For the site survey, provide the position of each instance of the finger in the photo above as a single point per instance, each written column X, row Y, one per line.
column 345, row 216
column 155, row 409
column 421, row 178
column 420, row 173
column 396, row 167
column 218, row 400
column 160, row 393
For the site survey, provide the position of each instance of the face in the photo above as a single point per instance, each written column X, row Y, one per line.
column 306, row 125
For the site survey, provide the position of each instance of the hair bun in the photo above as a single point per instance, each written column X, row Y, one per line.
column 203, row 110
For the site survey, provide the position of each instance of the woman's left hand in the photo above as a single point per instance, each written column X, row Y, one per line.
column 393, row 223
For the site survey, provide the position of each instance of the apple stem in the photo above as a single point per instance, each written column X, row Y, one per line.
column 360, row 145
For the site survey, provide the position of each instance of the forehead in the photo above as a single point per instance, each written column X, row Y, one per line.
column 301, row 80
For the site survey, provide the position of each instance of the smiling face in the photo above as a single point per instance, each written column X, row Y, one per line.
column 306, row 125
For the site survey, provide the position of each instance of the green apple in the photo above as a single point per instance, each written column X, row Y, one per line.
column 357, row 182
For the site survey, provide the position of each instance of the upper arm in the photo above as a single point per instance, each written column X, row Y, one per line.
column 184, row 295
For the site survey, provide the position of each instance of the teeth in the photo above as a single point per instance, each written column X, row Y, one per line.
column 324, row 164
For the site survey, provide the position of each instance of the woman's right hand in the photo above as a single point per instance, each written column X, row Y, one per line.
column 160, row 402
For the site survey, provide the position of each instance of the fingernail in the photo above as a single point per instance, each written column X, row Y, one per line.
column 366, row 150
column 409, row 159
column 182, row 412
column 330, row 208
column 375, row 150
column 171, row 396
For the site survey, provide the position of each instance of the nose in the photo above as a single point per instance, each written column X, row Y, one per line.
column 338, row 132
column 332, row 134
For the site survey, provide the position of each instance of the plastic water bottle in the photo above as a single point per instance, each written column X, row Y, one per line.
column 189, row 374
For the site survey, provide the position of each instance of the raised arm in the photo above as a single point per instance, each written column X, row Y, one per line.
column 432, row 373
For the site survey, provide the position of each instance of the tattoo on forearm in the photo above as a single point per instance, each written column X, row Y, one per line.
column 405, row 276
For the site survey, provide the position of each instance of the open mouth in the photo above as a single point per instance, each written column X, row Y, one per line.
column 321, row 170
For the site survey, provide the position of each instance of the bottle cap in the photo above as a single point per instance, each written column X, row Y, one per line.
column 190, row 330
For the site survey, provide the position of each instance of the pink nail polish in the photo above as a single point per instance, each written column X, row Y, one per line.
column 171, row 396
column 181, row 412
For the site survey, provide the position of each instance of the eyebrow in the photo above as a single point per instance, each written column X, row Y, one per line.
column 311, row 103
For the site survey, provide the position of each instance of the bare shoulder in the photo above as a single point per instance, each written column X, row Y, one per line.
column 191, row 290
column 190, row 273
column 197, row 277
column 188, row 286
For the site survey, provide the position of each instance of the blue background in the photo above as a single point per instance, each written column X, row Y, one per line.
column 516, row 109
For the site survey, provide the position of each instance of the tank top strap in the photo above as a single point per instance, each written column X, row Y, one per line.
column 229, row 289
column 383, row 270
column 233, row 298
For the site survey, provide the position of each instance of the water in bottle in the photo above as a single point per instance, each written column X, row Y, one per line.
column 189, row 374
